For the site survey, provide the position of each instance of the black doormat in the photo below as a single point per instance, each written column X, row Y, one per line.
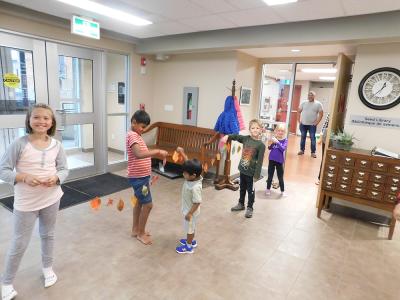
column 171, row 171
column 80, row 191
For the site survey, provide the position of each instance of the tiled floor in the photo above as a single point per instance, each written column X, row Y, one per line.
column 283, row 252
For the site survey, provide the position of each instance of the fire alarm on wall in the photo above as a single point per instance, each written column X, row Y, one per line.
column 143, row 61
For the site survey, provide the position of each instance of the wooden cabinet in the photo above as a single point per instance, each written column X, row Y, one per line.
column 359, row 177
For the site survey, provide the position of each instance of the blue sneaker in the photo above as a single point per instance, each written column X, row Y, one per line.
column 184, row 249
column 183, row 242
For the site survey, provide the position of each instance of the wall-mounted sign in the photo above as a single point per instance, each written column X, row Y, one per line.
column 11, row 80
column 372, row 121
column 85, row 27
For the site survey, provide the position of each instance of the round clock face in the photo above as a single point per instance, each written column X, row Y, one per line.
column 380, row 88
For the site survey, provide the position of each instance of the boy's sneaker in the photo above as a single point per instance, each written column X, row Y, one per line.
column 249, row 212
column 267, row 192
column 238, row 207
column 184, row 249
column 8, row 292
column 283, row 194
column 183, row 242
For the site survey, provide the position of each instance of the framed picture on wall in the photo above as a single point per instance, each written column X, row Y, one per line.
column 245, row 94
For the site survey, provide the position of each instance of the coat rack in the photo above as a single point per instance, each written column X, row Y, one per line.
column 226, row 182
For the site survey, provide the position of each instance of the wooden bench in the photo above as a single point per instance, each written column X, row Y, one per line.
column 200, row 143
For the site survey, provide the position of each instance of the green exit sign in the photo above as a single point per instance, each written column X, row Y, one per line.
column 85, row 27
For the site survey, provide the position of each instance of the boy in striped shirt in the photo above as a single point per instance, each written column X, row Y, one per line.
column 139, row 173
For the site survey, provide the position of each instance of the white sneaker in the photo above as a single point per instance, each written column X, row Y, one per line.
column 283, row 194
column 8, row 292
column 267, row 192
column 50, row 278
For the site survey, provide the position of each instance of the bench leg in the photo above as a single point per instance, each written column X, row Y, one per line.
column 391, row 228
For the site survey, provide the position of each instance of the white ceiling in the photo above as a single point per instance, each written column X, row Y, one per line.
column 185, row 16
column 311, row 51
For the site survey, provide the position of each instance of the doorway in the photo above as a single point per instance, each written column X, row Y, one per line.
column 71, row 80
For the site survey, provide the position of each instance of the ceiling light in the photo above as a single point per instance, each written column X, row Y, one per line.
column 324, row 71
column 107, row 11
column 278, row 2
column 295, row 50
column 330, row 78
column 284, row 71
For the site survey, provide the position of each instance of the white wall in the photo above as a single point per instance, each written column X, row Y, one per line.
column 212, row 73
column 323, row 92
column 368, row 58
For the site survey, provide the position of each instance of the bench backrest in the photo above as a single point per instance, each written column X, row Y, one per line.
column 191, row 138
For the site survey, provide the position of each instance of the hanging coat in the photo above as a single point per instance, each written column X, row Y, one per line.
column 239, row 114
column 227, row 122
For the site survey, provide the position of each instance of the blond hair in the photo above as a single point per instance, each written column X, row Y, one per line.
column 280, row 126
column 255, row 121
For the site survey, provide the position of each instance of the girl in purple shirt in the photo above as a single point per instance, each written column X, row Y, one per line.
column 277, row 144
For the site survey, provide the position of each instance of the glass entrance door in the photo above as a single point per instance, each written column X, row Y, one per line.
column 23, row 83
column 76, row 93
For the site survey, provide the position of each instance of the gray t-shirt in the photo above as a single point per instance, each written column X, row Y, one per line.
column 310, row 111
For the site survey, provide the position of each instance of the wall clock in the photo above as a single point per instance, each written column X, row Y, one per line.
column 380, row 88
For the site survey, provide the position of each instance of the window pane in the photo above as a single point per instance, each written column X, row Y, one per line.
column 77, row 141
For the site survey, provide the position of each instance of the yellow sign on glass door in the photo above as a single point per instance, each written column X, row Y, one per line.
column 11, row 80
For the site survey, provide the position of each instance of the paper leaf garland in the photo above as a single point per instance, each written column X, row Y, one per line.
column 175, row 157
column 134, row 201
column 212, row 161
column 145, row 190
column 110, row 202
column 205, row 167
column 95, row 203
column 120, row 205
column 218, row 156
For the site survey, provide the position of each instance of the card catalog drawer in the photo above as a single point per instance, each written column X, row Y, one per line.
column 394, row 190
column 389, row 198
column 333, row 169
column 394, row 169
column 347, row 161
column 379, row 166
column 359, row 182
column 346, row 171
column 375, row 195
column 360, row 174
column 377, row 178
column 332, row 158
column 363, row 164
column 329, row 185
column 344, row 188
column 358, row 191
column 393, row 181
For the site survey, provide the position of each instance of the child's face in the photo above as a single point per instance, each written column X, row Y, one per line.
column 189, row 177
column 255, row 130
column 280, row 133
column 138, row 127
column 41, row 120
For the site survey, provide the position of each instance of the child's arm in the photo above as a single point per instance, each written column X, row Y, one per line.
column 182, row 152
column 189, row 215
column 233, row 137
column 260, row 159
column 8, row 162
column 282, row 145
column 150, row 153
column 61, row 167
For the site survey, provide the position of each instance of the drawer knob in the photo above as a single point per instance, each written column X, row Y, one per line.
column 346, row 171
column 376, row 185
column 348, row 159
column 363, row 162
column 331, row 168
column 395, row 180
column 333, row 157
column 378, row 176
column 345, row 178
column 374, row 193
column 397, row 168
column 361, row 173
column 358, row 190
column 380, row 165
column 360, row 181
column 343, row 186
column 329, row 183
column 393, row 188
column 330, row 175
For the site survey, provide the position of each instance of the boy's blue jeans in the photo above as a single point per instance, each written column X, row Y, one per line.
column 312, row 129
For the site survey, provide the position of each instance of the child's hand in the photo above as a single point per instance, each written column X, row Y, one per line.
column 32, row 180
column 225, row 139
column 51, row 181
column 188, row 217
column 396, row 212
column 274, row 140
column 163, row 153
column 180, row 150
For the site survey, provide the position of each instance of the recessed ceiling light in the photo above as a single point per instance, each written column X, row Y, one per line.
column 324, row 71
column 330, row 78
column 284, row 71
column 107, row 11
column 278, row 2
column 295, row 50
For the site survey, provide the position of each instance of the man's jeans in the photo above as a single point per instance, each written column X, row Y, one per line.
column 312, row 129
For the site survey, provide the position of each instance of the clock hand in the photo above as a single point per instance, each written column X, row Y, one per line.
column 384, row 85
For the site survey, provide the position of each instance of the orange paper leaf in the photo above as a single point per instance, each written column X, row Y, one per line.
column 175, row 156
column 95, row 203
column 205, row 167
column 134, row 201
column 120, row 205
column 218, row 157
column 212, row 161
column 228, row 147
column 110, row 202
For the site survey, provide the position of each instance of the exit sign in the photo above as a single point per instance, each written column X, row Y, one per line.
column 85, row 27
